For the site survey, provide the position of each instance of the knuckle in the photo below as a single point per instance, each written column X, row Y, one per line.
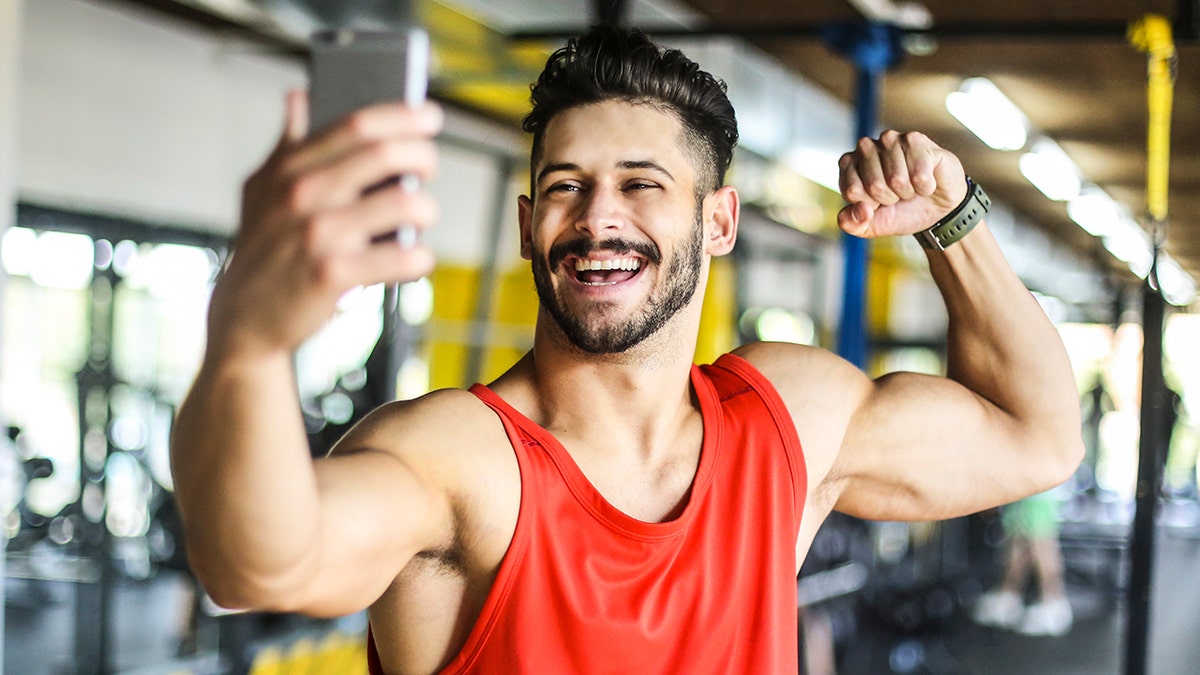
column 415, row 262
column 878, row 189
column 415, row 156
column 922, row 180
column 386, row 153
column 916, row 137
column 404, row 156
column 851, row 189
column 358, row 124
column 898, row 182
column 915, row 140
column 418, row 158
column 313, row 232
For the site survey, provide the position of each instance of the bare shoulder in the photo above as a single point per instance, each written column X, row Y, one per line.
column 805, row 375
column 430, row 412
column 823, row 393
column 439, row 435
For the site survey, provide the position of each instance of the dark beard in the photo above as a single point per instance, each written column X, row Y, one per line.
column 681, row 278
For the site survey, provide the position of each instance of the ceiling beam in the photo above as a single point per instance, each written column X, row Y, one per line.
column 1084, row 30
column 219, row 25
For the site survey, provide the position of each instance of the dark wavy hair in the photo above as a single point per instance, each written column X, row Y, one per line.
column 608, row 63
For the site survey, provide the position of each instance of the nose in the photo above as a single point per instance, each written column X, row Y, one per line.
column 603, row 212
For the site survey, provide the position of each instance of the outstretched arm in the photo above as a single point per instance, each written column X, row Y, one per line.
column 266, row 528
column 1003, row 424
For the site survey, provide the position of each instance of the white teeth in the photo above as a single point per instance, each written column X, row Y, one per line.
column 627, row 264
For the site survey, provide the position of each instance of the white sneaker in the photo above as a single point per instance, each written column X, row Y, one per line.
column 1051, row 618
column 999, row 609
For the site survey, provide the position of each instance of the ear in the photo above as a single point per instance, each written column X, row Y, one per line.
column 525, row 218
column 721, row 208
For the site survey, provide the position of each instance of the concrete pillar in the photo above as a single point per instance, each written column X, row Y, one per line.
column 10, row 30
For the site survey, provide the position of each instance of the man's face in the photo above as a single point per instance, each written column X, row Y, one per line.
column 615, row 231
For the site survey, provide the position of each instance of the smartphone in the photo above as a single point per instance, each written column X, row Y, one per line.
column 352, row 68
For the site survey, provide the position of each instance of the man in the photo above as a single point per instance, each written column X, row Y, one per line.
column 604, row 506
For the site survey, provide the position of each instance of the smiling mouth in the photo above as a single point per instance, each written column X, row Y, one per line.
column 606, row 272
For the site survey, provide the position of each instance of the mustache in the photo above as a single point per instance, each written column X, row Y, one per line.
column 583, row 247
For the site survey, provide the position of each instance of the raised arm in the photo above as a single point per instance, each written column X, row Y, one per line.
column 265, row 527
column 1003, row 424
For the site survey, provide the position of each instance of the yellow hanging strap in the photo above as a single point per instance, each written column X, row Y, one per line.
column 1152, row 35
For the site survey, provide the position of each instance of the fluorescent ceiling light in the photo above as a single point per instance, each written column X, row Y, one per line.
column 819, row 166
column 1051, row 171
column 1130, row 244
column 903, row 14
column 1100, row 216
column 1177, row 286
column 988, row 113
column 1094, row 211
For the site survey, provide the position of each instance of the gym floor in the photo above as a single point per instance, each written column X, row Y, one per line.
column 1096, row 642
column 149, row 618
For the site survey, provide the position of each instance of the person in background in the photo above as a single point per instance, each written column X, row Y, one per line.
column 1031, row 528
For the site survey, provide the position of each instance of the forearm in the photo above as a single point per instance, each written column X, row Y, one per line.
column 1002, row 346
column 265, row 524
column 244, row 478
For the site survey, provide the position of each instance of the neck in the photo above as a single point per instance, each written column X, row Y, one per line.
column 663, row 359
column 643, row 391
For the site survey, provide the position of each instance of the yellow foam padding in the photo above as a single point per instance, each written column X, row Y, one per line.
column 718, row 318
column 337, row 653
column 268, row 661
column 1152, row 35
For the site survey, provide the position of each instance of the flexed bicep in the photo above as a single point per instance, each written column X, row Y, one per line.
column 927, row 448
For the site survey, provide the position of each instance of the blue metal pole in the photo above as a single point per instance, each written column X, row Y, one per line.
column 852, row 331
column 872, row 48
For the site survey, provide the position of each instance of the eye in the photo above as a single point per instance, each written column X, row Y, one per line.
column 564, row 188
column 635, row 185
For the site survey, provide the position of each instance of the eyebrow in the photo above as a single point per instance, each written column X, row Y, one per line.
column 553, row 168
column 624, row 164
column 645, row 164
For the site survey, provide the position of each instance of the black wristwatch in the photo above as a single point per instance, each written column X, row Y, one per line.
column 958, row 222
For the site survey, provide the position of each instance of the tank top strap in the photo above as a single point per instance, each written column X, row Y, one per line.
column 733, row 376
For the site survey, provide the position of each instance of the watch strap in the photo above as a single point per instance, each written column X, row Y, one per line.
column 956, row 224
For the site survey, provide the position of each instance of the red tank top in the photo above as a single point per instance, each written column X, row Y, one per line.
column 585, row 588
